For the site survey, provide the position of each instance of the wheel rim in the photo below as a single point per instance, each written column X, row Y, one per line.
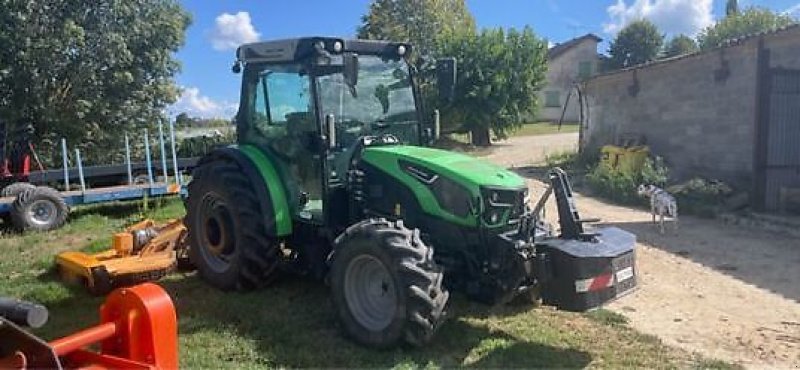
column 370, row 292
column 216, row 233
column 42, row 212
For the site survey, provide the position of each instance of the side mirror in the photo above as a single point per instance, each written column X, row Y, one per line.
column 437, row 125
column 446, row 78
column 350, row 69
column 330, row 129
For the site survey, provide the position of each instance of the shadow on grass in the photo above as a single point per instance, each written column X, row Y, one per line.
column 293, row 324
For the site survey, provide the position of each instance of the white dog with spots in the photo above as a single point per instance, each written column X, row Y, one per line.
column 661, row 204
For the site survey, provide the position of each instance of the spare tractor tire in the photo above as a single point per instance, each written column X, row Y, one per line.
column 386, row 286
column 12, row 190
column 39, row 209
column 227, row 241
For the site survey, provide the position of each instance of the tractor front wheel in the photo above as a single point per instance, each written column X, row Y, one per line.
column 225, row 229
column 386, row 286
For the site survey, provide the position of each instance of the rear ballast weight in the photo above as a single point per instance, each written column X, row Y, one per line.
column 581, row 270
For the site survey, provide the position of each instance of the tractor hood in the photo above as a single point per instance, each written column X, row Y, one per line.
column 462, row 168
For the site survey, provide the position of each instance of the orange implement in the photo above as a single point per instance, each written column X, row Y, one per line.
column 143, row 252
column 138, row 330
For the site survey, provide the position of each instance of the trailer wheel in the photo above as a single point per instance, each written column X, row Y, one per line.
column 386, row 286
column 39, row 209
column 12, row 190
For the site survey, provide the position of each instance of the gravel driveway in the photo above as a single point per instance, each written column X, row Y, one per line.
column 720, row 290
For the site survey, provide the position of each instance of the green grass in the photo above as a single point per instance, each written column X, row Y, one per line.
column 293, row 322
column 544, row 128
column 527, row 129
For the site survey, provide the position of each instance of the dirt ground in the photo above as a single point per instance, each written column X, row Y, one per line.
column 723, row 291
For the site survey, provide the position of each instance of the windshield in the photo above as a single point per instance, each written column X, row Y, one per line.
column 382, row 101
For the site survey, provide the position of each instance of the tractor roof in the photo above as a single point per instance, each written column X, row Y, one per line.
column 289, row 50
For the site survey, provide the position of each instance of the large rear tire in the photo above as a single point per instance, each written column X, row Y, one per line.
column 386, row 286
column 39, row 209
column 225, row 225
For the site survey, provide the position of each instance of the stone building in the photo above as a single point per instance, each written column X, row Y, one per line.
column 731, row 113
column 567, row 63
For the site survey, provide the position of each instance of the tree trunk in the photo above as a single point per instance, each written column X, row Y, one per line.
column 481, row 137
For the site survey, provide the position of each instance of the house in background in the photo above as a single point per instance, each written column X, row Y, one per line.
column 567, row 63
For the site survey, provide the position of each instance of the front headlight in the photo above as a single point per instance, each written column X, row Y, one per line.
column 501, row 205
column 494, row 216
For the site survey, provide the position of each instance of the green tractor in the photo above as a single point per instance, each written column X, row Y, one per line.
column 331, row 177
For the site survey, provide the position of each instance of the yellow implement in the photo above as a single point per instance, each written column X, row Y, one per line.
column 143, row 252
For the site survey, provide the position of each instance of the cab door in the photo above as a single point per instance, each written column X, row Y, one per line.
column 282, row 121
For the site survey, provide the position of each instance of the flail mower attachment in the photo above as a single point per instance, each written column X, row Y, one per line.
column 143, row 252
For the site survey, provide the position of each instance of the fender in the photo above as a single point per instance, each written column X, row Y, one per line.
column 270, row 192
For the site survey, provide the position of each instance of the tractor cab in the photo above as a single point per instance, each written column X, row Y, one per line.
column 308, row 102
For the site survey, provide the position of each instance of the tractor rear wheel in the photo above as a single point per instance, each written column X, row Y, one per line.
column 39, row 209
column 386, row 286
column 225, row 229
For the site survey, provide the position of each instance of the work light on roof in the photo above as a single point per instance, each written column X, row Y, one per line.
column 337, row 47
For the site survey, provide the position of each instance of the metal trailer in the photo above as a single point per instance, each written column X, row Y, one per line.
column 43, row 208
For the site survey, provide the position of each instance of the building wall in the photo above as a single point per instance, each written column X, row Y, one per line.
column 698, row 112
column 562, row 72
column 697, row 120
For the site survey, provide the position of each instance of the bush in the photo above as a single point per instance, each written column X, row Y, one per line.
column 200, row 145
column 564, row 160
column 570, row 161
column 621, row 187
column 701, row 196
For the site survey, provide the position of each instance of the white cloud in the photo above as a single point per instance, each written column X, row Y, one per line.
column 794, row 11
column 197, row 105
column 550, row 44
column 232, row 30
column 671, row 16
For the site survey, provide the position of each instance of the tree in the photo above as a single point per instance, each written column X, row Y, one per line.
column 679, row 45
column 499, row 75
column 88, row 70
column 637, row 43
column 424, row 23
column 731, row 8
column 183, row 120
column 752, row 20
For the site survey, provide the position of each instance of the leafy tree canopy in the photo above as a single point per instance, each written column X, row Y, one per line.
column 750, row 21
column 499, row 75
column 637, row 43
column 424, row 23
column 88, row 70
column 679, row 45
column 731, row 8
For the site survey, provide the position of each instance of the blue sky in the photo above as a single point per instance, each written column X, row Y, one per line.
column 211, row 90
